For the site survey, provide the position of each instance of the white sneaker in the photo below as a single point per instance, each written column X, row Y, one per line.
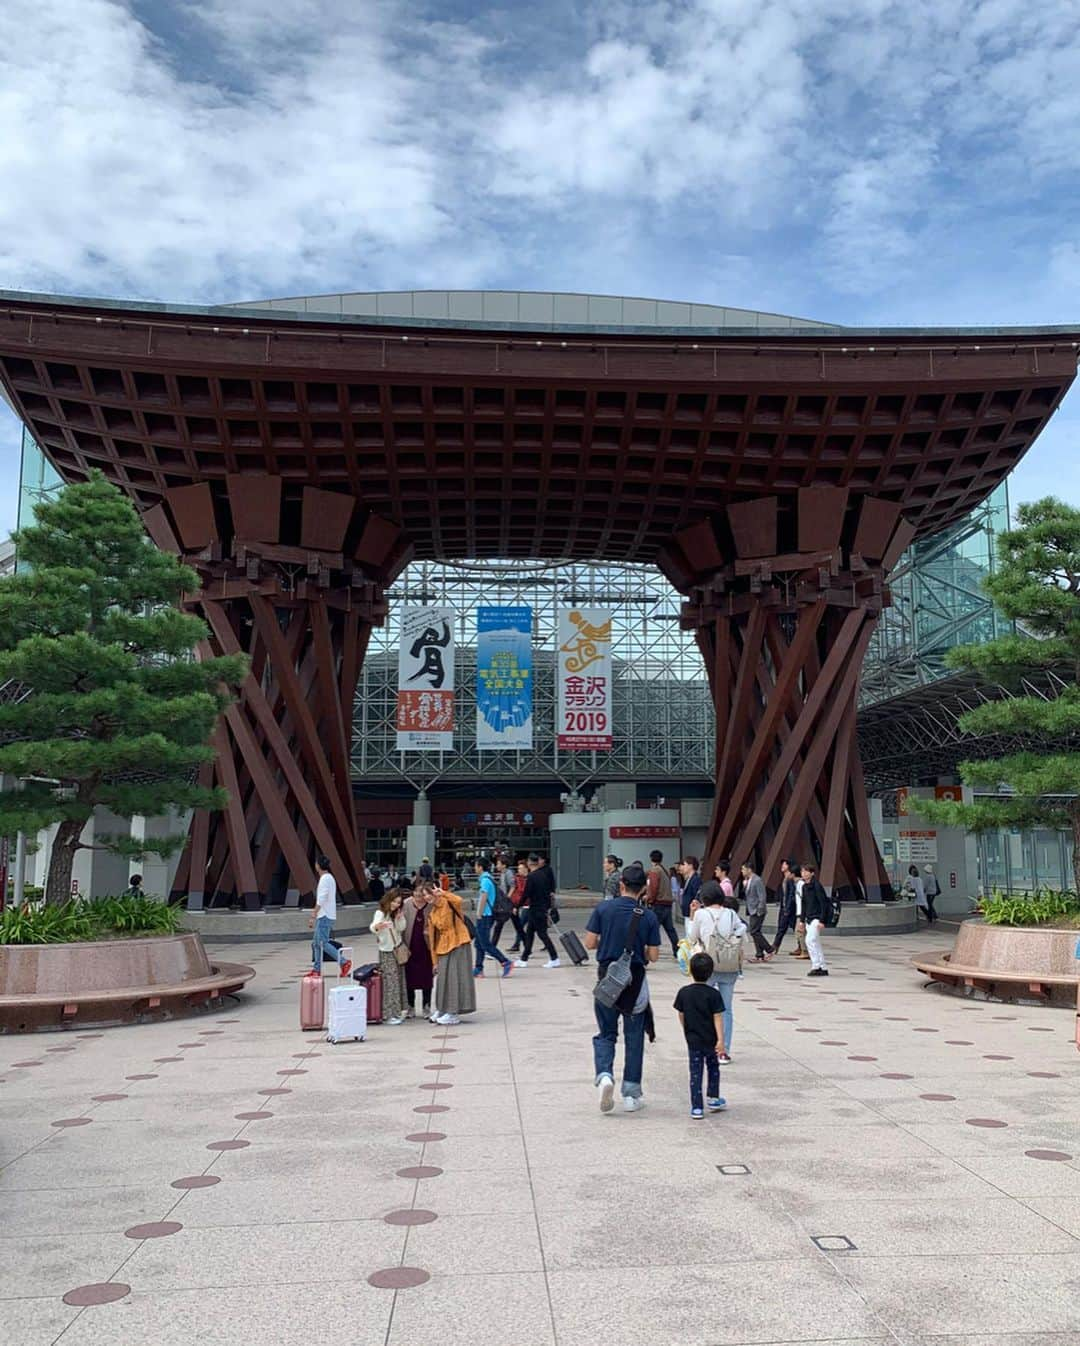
column 520, row 962
column 448, row 1020
column 393, row 1023
column 606, row 1085
column 553, row 962
column 633, row 1104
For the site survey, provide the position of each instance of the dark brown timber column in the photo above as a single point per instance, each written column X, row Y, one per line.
column 297, row 585
column 783, row 595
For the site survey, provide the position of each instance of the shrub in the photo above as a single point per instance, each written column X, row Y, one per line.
column 1042, row 907
column 88, row 918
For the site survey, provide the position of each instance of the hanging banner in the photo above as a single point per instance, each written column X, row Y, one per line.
column 584, row 670
column 504, row 703
column 425, row 699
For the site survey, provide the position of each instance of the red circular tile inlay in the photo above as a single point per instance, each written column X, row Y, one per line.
column 269, row 1093
column 1058, row 1155
column 140, row 1077
column 199, row 1180
column 896, row 1075
column 420, row 1171
column 252, row 1116
column 228, row 1144
column 25, row 1065
column 72, row 1121
column 60, row 1049
column 436, row 1086
column 993, row 1056
column 424, row 1136
column 808, row 1030
column 1040, row 1030
column 939, row 1098
column 991, row 1122
column 192, row 1044
column 156, row 1229
column 958, row 1042
column 109, row 1098
column 411, row 1217
column 924, row 1030
column 292, row 1072
column 210, row 1033
column 164, row 1060
column 442, row 1051
column 832, row 1042
column 304, row 1056
column 862, row 1058
column 896, row 1018
column 1044, row 1075
column 431, row 1108
column 105, row 1292
column 439, row 1067
column 398, row 1278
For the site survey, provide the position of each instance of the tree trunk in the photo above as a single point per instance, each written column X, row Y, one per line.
column 65, row 844
column 1074, row 818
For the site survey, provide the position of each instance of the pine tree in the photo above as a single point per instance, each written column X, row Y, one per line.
column 1037, row 585
column 112, row 709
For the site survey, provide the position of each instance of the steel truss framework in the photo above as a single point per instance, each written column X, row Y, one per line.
column 915, row 738
column 663, row 716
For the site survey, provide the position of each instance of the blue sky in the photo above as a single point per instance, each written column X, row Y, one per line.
column 881, row 163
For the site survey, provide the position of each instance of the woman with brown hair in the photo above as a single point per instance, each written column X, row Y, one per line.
column 419, row 973
column 388, row 927
column 450, row 941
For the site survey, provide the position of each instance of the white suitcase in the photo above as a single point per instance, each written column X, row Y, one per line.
column 347, row 1013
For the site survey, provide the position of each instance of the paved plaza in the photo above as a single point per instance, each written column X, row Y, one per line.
column 896, row 1166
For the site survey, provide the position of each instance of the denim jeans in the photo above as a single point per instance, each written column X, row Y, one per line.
column 319, row 940
column 484, row 947
column 725, row 984
column 703, row 1062
column 607, row 1021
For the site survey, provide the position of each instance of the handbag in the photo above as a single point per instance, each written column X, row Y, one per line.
column 402, row 954
column 616, row 979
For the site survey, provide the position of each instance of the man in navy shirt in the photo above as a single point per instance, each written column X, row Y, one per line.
column 618, row 924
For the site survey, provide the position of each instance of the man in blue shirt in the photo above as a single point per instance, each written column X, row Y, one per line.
column 485, row 918
column 616, row 925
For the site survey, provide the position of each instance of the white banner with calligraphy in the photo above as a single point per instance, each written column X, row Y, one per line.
column 425, row 700
column 584, row 671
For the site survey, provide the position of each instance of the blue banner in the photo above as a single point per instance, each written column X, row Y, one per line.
column 504, row 701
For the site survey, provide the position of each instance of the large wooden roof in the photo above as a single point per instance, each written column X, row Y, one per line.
column 481, row 442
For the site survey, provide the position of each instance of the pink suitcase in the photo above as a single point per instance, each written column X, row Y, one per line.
column 312, row 1003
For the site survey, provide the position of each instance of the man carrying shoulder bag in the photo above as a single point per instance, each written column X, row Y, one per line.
column 626, row 937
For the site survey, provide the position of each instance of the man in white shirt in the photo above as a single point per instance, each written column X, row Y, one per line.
column 322, row 921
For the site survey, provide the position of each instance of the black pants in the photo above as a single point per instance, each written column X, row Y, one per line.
column 519, row 928
column 537, row 927
column 664, row 916
column 754, row 924
column 784, row 922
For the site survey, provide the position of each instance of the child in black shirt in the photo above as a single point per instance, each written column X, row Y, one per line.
column 700, row 1009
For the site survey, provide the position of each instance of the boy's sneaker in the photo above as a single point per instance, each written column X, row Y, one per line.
column 696, row 1113
column 553, row 962
column 508, row 967
column 717, row 1104
column 632, row 1104
column 606, row 1085
column 346, row 967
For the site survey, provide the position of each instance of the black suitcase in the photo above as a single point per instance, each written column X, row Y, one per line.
column 573, row 947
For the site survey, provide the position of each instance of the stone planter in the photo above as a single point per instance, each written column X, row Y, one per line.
column 112, row 981
column 1009, row 962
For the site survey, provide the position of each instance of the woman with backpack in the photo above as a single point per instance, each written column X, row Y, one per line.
column 715, row 928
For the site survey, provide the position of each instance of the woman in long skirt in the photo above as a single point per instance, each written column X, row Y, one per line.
column 451, row 947
column 388, row 927
column 419, row 971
